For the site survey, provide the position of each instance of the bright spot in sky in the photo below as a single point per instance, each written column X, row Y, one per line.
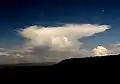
column 102, row 10
column 100, row 51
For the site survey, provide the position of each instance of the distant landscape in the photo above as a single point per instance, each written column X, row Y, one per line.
column 70, row 68
column 103, row 60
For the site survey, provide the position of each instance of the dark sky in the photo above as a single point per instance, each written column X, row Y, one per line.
column 15, row 14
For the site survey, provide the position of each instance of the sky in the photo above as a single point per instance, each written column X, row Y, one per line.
column 57, row 17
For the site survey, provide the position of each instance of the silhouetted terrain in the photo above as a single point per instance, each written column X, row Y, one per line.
column 91, row 61
column 88, row 61
column 67, row 68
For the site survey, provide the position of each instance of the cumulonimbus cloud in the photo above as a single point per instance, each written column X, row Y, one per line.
column 53, row 43
column 60, row 38
column 57, row 43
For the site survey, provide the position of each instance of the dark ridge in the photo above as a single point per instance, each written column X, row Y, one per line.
column 81, row 68
column 91, row 61
column 88, row 61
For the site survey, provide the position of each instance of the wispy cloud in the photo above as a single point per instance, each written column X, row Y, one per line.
column 113, row 48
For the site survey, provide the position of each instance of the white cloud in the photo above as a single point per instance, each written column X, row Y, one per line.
column 54, row 43
column 63, row 37
column 59, row 42
column 4, row 54
column 100, row 51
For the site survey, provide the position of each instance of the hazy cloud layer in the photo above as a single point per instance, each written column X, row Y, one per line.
column 113, row 48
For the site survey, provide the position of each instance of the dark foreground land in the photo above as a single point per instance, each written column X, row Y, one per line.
column 67, row 68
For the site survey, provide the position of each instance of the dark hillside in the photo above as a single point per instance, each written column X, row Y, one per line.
column 66, row 69
column 91, row 61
